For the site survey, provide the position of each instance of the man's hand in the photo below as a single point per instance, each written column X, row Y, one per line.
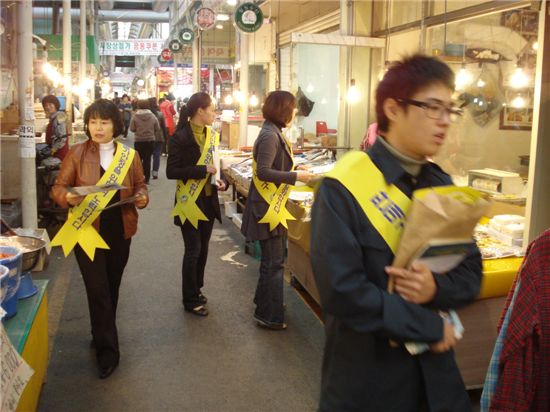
column 73, row 199
column 449, row 340
column 211, row 169
column 141, row 201
column 302, row 167
column 416, row 285
column 220, row 184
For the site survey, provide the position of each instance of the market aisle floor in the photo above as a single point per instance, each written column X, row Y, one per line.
column 172, row 360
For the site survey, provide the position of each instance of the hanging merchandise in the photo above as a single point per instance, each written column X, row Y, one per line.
column 248, row 17
column 166, row 54
column 205, row 18
column 187, row 35
column 305, row 106
column 175, row 45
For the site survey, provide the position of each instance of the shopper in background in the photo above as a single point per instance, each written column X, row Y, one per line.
column 168, row 111
column 56, row 131
column 351, row 259
column 160, row 140
column 84, row 165
column 273, row 169
column 125, row 108
column 197, row 204
column 146, row 130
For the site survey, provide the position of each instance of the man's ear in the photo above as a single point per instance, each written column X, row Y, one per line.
column 391, row 108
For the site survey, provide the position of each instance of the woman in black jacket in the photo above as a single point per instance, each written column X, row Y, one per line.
column 273, row 164
column 190, row 155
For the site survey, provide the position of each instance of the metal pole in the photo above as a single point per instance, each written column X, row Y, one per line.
column 67, row 59
column 197, row 63
column 83, row 56
column 27, row 145
column 243, row 85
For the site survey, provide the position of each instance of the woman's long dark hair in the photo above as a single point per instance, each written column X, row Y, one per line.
column 197, row 101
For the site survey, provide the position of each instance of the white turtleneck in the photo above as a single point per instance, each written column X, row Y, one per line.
column 106, row 154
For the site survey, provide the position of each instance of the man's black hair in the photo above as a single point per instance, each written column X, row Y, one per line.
column 406, row 77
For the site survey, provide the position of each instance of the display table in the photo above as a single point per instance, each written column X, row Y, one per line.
column 28, row 332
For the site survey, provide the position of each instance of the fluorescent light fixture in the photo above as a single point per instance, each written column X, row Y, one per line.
column 222, row 17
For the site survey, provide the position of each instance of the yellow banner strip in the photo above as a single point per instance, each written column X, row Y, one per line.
column 385, row 205
column 78, row 227
column 187, row 193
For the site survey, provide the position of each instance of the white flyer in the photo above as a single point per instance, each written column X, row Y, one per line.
column 15, row 373
column 27, row 144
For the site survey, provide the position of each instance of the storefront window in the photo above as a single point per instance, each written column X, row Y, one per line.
column 494, row 60
column 316, row 86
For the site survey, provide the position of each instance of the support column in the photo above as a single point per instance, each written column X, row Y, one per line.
column 197, row 45
column 243, row 86
column 27, row 145
column 67, row 58
column 83, row 56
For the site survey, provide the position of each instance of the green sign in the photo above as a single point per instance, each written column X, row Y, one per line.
column 248, row 17
column 187, row 35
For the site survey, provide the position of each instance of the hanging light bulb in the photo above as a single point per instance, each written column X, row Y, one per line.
column 519, row 79
column 228, row 100
column 535, row 45
column 232, row 2
column 463, row 78
column 518, row 102
column 238, row 96
column 480, row 83
column 253, row 101
column 353, row 94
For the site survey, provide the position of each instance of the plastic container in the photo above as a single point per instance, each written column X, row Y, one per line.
column 4, row 273
column 13, row 263
column 26, row 286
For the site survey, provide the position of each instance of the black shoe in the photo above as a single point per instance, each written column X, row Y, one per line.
column 198, row 310
column 106, row 371
column 268, row 325
column 202, row 299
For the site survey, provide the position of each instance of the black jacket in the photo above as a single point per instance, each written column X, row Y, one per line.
column 183, row 155
column 273, row 162
column 361, row 372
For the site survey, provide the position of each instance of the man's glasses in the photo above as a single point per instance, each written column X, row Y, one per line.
column 435, row 110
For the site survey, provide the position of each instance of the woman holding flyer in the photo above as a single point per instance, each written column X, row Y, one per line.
column 190, row 161
column 100, row 235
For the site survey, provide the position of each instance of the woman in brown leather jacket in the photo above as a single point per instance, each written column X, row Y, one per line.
column 84, row 165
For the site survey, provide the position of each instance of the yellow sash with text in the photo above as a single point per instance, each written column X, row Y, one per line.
column 385, row 205
column 78, row 227
column 187, row 193
column 276, row 197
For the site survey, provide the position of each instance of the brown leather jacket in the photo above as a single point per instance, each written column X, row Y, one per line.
column 81, row 168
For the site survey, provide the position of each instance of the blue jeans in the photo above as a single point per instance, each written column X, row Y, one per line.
column 269, row 292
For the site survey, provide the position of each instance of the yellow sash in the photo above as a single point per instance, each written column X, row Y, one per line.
column 187, row 193
column 385, row 205
column 78, row 227
column 276, row 197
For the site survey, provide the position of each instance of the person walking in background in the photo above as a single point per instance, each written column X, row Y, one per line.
column 125, row 108
column 56, row 131
column 273, row 170
column 146, row 129
column 161, row 138
column 168, row 111
column 351, row 258
column 97, row 161
column 190, row 156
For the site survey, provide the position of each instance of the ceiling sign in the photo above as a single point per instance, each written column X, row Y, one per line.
column 166, row 54
column 187, row 35
column 248, row 17
column 175, row 45
column 131, row 47
column 205, row 18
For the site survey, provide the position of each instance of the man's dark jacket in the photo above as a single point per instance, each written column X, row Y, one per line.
column 361, row 372
column 183, row 154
